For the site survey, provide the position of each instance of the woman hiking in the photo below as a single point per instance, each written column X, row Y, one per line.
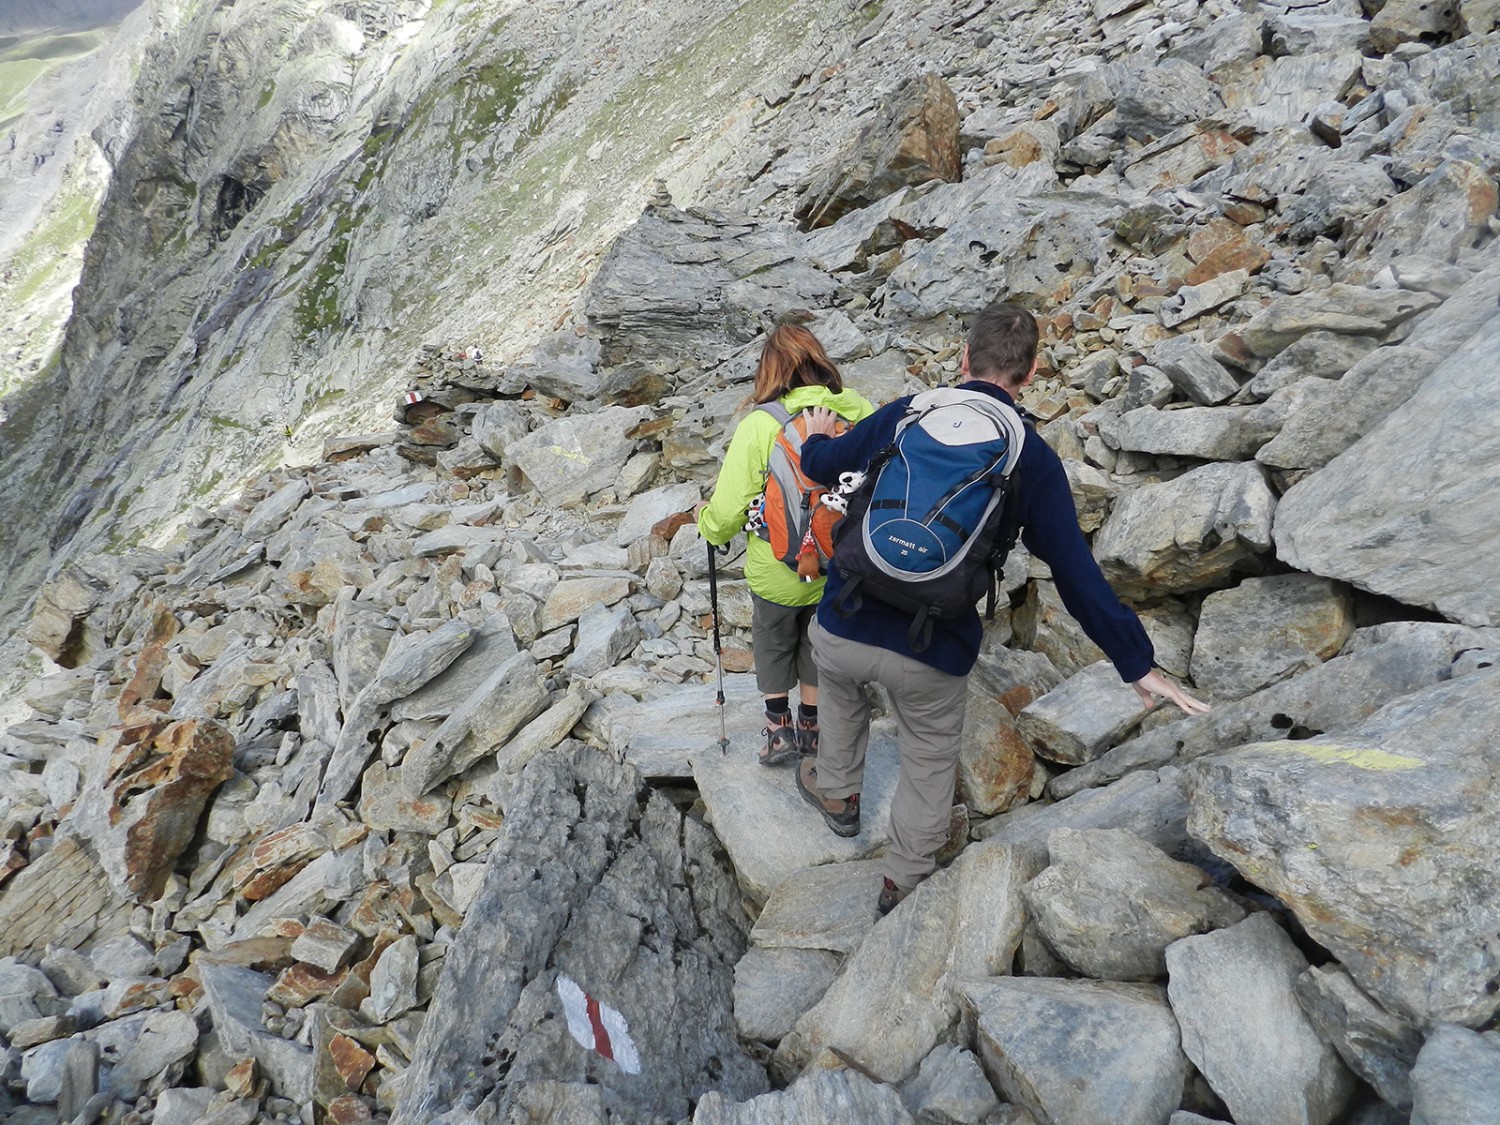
column 795, row 373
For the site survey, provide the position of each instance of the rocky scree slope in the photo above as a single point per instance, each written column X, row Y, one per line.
column 318, row 812
column 301, row 194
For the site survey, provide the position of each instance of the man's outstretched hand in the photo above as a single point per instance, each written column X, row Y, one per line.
column 1154, row 684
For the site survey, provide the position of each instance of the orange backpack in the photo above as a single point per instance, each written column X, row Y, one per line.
column 793, row 517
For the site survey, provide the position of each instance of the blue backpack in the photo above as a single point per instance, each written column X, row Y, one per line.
column 928, row 528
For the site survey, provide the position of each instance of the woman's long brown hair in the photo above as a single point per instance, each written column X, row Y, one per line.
column 792, row 357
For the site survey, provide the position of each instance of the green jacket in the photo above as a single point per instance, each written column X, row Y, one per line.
column 743, row 477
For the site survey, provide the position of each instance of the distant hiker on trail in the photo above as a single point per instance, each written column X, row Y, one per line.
column 924, row 661
column 760, row 482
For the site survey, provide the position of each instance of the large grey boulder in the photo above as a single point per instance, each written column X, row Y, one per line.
column 1379, row 1047
column 1382, row 840
column 1223, row 433
column 824, row 1095
column 1360, row 520
column 1444, row 215
column 598, row 881
column 1150, row 803
column 1456, row 1080
column 1233, row 993
column 1380, row 664
column 1152, row 100
column 1350, row 310
column 1082, row 717
column 950, row 1086
column 1192, row 369
column 1080, row 1052
column 1266, row 629
column 1318, row 355
column 1324, row 418
column 913, row 139
column 1109, row 903
column 1191, row 532
column 577, row 455
column 898, row 993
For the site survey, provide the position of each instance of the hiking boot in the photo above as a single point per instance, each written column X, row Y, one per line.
column 841, row 813
column 807, row 737
column 782, row 744
column 890, row 896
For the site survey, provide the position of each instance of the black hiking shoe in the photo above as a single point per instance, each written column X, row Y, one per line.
column 807, row 737
column 782, row 744
column 890, row 897
column 841, row 813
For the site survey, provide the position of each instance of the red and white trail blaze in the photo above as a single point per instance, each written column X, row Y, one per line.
column 597, row 1026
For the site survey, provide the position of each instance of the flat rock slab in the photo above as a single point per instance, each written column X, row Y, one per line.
column 1434, row 546
column 1266, row 629
column 1457, row 1077
column 1384, row 842
column 897, row 996
column 1234, row 995
column 1080, row 1052
column 826, row 1095
column 1151, row 803
column 827, row 907
column 773, row 987
column 1110, row 904
column 1083, row 716
column 659, row 735
column 769, row 828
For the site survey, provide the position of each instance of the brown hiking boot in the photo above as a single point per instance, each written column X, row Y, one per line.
column 890, row 897
column 841, row 813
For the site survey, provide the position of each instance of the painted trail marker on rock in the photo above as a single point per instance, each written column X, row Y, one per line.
column 598, row 1027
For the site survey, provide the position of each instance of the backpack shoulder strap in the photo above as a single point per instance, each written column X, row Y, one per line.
column 777, row 411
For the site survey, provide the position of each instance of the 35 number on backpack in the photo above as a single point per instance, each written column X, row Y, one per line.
column 793, row 518
column 928, row 530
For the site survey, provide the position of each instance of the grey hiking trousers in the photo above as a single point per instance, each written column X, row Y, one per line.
column 928, row 707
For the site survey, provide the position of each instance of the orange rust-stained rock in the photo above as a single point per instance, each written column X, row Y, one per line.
column 276, row 858
column 1233, row 254
column 145, row 683
column 242, row 1078
column 665, row 529
column 913, row 139
column 352, row 1061
column 299, row 985
column 159, row 777
column 738, row 659
column 349, row 1109
column 1244, row 212
column 1000, row 777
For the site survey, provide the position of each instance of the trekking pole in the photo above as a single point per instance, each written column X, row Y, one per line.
column 713, row 601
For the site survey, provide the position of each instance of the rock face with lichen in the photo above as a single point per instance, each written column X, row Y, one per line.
column 386, row 783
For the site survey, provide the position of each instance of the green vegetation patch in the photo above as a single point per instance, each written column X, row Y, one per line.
column 63, row 232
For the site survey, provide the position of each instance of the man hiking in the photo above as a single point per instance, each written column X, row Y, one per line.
column 925, row 673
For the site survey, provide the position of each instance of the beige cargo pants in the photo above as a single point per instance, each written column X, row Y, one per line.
column 928, row 707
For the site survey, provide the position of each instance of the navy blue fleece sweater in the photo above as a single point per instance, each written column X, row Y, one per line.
column 1050, row 531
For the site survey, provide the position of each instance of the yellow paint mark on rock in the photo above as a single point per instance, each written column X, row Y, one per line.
column 1363, row 757
column 571, row 454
